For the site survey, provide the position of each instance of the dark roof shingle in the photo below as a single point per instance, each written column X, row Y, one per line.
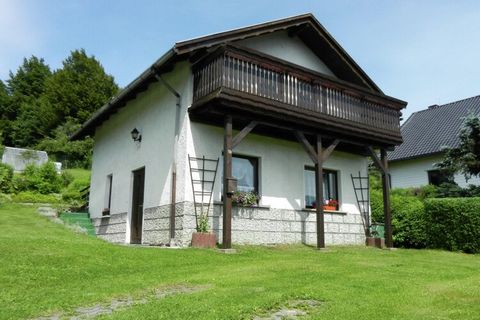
column 428, row 131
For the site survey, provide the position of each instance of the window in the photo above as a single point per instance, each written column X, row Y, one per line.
column 330, row 186
column 245, row 170
column 437, row 177
column 108, row 195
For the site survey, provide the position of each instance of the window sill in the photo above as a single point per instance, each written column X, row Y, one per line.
column 105, row 216
column 326, row 211
column 220, row 203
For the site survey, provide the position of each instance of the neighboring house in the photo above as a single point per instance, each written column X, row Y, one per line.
column 425, row 134
column 281, row 87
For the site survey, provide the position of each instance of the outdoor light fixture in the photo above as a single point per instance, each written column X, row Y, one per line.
column 136, row 136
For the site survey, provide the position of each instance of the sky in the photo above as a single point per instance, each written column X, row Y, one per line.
column 424, row 52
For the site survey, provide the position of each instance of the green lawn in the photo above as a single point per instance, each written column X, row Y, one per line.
column 81, row 176
column 45, row 268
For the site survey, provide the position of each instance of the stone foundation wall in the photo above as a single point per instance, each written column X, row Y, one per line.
column 274, row 226
column 156, row 225
column 112, row 228
column 260, row 225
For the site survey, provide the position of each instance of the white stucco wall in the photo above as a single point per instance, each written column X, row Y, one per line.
column 280, row 45
column 413, row 173
column 153, row 114
column 281, row 167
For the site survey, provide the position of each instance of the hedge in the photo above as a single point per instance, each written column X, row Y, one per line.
column 408, row 222
column 453, row 224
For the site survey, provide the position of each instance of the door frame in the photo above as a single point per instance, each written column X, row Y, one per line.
column 137, row 197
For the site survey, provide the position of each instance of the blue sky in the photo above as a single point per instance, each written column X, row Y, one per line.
column 424, row 52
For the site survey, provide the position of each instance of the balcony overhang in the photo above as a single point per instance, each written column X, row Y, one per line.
column 252, row 86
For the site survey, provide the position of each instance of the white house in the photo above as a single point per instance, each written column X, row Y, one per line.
column 281, row 106
column 425, row 134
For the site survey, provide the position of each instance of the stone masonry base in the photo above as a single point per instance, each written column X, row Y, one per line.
column 112, row 228
column 258, row 225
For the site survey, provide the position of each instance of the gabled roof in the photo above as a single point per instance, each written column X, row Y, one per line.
column 426, row 132
column 305, row 26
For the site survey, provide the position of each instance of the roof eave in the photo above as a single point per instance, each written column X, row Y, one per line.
column 89, row 126
column 425, row 155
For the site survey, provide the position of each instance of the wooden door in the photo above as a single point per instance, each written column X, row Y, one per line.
column 137, row 206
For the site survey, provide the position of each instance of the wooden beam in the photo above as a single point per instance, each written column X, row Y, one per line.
column 227, row 173
column 376, row 161
column 319, row 195
column 306, row 146
column 328, row 151
column 386, row 200
column 242, row 134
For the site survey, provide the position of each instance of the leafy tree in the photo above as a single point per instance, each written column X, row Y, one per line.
column 41, row 109
column 70, row 153
column 4, row 99
column 29, row 80
column 4, row 110
column 466, row 157
column 79, row 88
column 22, row 113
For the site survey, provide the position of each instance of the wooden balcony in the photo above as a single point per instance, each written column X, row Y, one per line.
column 263, row 86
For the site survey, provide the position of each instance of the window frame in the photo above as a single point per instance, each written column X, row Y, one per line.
column 325, row 171
column 450, row 177
column 108, row 195
column 256, row 171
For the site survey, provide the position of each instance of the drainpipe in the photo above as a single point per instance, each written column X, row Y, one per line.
column 174, row 160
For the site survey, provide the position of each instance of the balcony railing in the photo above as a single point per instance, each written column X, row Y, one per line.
column 298, row 89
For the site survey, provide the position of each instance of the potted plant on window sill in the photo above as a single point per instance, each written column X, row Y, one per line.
column 331, row 205
column 203, row 238
column 245, row 199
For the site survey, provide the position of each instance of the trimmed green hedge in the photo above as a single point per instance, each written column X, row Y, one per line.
column 453, row 224
column 408, row 218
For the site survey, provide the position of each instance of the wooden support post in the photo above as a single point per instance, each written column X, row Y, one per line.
column 318, row 156
column 227, row 173
column 319, row 194
column 386, row 199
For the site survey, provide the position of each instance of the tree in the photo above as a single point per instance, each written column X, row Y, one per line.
column 4, row 110
column 23, row 112
column 3, row 99
column 71, row 153
column 466, row 157
column 29, row 80
column 79, row 88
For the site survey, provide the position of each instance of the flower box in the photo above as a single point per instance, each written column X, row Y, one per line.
column 375, row 242
column 203, row 240
column 330, row 208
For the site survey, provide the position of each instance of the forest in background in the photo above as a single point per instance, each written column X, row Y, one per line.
column 40, row 107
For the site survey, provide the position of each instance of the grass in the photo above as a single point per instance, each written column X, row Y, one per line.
column 80, row 176
column 45, row 268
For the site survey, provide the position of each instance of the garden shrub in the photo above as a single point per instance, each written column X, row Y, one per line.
column 453, row 224
column 376, row 205
column 32, row 197
column 408, row 223
column 43, row 179
column 5, row 198
column 6, row 178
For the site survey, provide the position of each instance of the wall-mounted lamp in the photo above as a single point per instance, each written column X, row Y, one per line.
column 136, row 136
